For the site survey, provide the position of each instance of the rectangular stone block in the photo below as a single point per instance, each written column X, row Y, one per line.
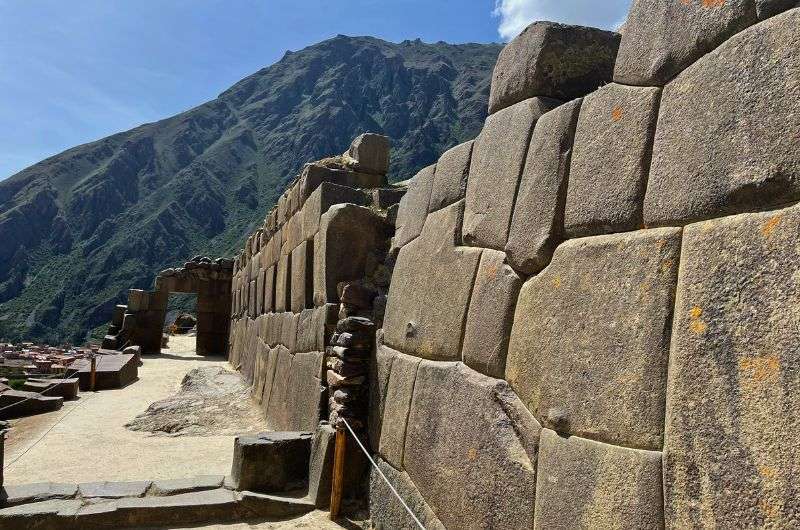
column 537, row 225
column 450, row 177
column 413, row 208
column 471, row 448
column 252, row 298
column 283, row 285
column 260, row 282
column 583, row 484
column 314, row 175
column 610, row 160
column 731, row 457
column 490, row 315
column 269, row 289
column 325, row 196
column 386, row 512
column 399, row 391
column 725, row 143
column 554, row 60
column 425, row 312
column 590, row 342
column 270, row 462
column 497, row 159
column 302, row 276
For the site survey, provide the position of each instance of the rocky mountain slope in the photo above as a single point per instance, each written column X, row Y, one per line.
column 79, row 228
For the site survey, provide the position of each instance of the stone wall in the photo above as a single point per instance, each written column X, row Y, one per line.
column 319, row 256
column 592, row 321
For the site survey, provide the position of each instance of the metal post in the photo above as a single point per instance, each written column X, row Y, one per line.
column 338, row 472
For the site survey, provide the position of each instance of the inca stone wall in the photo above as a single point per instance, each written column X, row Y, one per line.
column 319, row 257
column 593, row 319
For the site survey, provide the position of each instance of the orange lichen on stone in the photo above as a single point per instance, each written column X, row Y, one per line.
column 472, row 454
column 557, row 281
column 761, row 369
column 767, row 472
column 713, row 3
column 666, row 265
column 616, row 113
column 696, row 324
column 770, row 225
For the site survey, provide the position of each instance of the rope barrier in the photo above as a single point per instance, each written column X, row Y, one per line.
column 371, row 461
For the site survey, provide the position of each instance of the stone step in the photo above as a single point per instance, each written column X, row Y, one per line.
column 27, row 403
column 65, row 388
column 139, row 504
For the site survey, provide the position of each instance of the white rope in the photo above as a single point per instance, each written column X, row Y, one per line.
column 371, row 461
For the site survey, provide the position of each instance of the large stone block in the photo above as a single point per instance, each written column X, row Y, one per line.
column 386, row 512
column 277, row 413
column 610, row 160
column 588, row 485
column 728, row 143
column 283, row 284
column 731, row 453
column 398, row 400
column 349, row 238
column 537, row 225
column 414, row 207
column 271, row 462
column 269, row 289
column 380, row 368
column 429, row 294
column 662, row 37
column 497, row 159
column 314, row 175
column 490, row 316
column 589, row 347
column 471, row 448
column 305, row 394
column 450, row 177
column 302, row 291
column 553, row 60
column 325, row 196
column 370, row 152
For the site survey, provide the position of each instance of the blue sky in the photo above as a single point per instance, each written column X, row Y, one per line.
column 73, row 71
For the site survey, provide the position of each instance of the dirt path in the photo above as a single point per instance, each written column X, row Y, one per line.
column 88, row 441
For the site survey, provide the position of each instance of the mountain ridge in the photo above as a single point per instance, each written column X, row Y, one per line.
column 82, row 226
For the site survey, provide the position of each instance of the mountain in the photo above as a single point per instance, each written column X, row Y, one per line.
column 80, row 228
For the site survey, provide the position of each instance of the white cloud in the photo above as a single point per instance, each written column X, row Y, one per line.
column 516, row 15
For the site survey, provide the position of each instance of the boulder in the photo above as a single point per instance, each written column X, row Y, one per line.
column 271, row 462
column 590, row 342
column 537, row 225
column 732, row 418
column 398, row 400
column 610, row 160
column 370, row 152
column 553, row 60
column 425, row 312
column 490, row 315
column 450, row 177
column 727, row 143
column 413, row 208
column 471, row 448
column 497, row 159
column 662, row 37
column 587, row 485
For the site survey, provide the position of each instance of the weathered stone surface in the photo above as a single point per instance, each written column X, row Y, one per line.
column 348, row 236
column 14, row 494
column 314, row 175
column 583, row 484
column 325, row 196
column 537, row 225
column 610, row 160
column 269, row 290
column 185, row 485
column 283, row 284
column 380, row 368
column 414, row 207
column 497, row 158
column 662, row 37
column 490, row 316
column 275, row 506
column 386, row 511
column 426, row 312
column 728, row 143
column 370, row 151
column 731, row 457
column 589, row 347
column 269, row 377
column 398, row 401
column 114, row 490
column 554, row 60
column 302, row 290
column 450, row 177
column 471, row 448
column 270, row 462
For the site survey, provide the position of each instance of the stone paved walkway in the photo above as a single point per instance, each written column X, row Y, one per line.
column 91, row 442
